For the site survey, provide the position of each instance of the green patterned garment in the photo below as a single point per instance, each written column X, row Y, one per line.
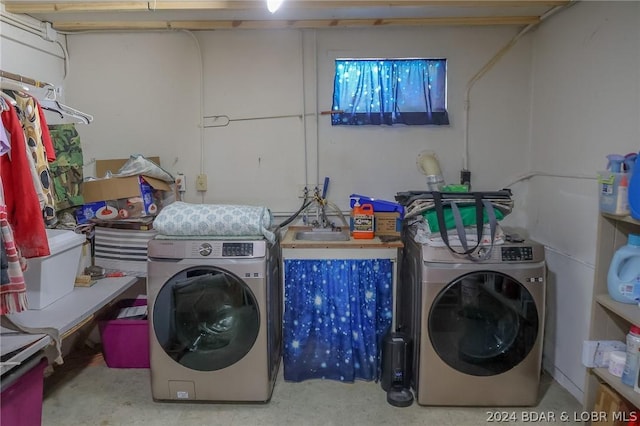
column 66, row 170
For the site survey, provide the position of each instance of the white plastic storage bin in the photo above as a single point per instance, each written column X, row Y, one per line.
column 48, row 278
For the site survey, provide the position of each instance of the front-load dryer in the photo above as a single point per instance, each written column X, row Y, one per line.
column 477, row 325
column 215, row 319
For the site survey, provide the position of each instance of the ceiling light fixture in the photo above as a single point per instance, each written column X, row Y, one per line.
column 273, row 5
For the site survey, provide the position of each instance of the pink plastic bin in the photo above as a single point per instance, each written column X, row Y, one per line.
column 125, row 342
column 21, row 402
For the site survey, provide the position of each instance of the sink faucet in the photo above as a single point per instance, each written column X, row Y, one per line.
column 322, row 220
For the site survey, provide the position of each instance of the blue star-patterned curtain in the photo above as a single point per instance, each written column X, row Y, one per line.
column 336, row 312
column 389, row 91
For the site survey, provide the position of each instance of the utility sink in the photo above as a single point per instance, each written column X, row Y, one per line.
column 321, row 235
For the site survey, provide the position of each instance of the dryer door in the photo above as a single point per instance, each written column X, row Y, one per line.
column 483, row 323
column 206, row 318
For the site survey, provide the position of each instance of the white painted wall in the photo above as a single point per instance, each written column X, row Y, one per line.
column 585, row 105
column 149, row 103
column 25, row 53
column 563, row 98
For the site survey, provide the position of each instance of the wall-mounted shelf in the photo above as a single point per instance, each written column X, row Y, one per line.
column 631, row 313
column 610, row 320
column 627, row 392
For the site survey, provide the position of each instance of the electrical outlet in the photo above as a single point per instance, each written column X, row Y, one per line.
column 201, row 182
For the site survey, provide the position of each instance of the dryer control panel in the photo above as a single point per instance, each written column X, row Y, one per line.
column 509, row 252
column 516, row 253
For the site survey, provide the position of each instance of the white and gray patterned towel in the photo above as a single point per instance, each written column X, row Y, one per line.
column 214, row 220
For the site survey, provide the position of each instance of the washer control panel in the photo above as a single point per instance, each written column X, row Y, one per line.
column 237, row 249
column 210, row 249
column 517, row 253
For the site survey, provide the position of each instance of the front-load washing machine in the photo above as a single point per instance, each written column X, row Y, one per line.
column 215, row 319
column 476, row 325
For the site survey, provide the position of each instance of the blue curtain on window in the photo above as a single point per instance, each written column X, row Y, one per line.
column 336, row 312
column 399, row 91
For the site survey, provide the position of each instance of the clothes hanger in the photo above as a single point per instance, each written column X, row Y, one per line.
column 12, row 85
column 16, row 82
column 6, row 98
column 50, row 103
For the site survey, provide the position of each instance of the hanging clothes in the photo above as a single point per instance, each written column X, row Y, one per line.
column 4, row 139
column 13, row 290
column 30, row 157
column 40, row 146
column 22, row 206
column 67, row 170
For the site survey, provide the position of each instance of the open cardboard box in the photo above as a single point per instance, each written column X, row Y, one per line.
column 123, row 197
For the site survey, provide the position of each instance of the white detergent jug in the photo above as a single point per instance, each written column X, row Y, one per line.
column 623, row 279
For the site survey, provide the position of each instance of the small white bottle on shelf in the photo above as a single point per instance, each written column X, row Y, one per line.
column 633, row 351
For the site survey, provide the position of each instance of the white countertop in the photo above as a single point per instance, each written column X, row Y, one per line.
column 63, row 315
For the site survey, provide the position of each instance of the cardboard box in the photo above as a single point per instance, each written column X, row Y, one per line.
column 123, row 198
column 114, row 165
column 612, row 409
column 387, row 224
column 49, row 278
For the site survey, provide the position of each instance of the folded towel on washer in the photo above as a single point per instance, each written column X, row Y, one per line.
column 424, row 235
column 214, row 220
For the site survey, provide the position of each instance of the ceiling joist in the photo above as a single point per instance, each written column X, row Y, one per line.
column 291, row 24
column 14, row 6
column 87, row 15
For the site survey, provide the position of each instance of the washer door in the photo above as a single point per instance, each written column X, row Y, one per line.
column 483, row 324
column 206, row 318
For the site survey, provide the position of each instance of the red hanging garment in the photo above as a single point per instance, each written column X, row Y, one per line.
column 23, row 208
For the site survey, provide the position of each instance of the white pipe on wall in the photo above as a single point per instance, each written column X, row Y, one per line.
column 485, row 68
column 201, row 115
column 317, row 116
column 304, row 110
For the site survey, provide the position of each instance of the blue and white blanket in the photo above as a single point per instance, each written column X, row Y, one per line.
column 214, row 220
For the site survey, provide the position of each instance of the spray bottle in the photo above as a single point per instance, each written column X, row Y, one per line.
column 614, row 163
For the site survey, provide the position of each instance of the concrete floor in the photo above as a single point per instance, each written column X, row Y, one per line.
column 89, row 393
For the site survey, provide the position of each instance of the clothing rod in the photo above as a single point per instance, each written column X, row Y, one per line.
column 26, row 80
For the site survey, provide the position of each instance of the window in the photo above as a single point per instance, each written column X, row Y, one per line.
column 390, row 91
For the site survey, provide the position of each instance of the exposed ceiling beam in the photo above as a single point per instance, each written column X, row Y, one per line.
column 290, row 24
column 29, row 7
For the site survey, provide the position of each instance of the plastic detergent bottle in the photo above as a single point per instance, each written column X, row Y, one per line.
column 362, row 219
column 631, row 363
column 623, row 278
column 634, row 190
